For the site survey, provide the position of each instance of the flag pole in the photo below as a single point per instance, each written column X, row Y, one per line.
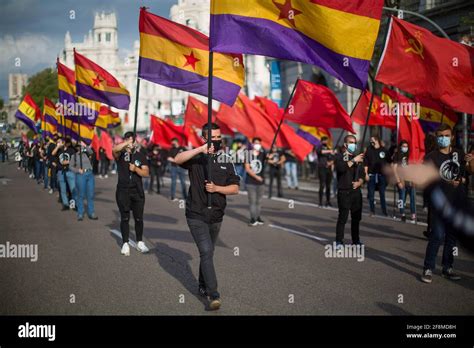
column 209, row 123
column 137, row 94
column 283, row 116
column 78, row 120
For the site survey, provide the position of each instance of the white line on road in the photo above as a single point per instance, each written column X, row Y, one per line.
column 118, row 234
column 297, row 232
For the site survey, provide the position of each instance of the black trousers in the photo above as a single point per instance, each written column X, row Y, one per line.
column 349, row 201
column 275, row 172
column 130, row 200
column 154, row 175
column 325, row 177
column 205, row 237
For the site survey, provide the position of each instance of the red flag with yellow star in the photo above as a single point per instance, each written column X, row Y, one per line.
column 425, row 65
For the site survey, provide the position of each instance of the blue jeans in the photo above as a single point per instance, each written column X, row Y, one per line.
column 177, row 172
column 402, row 196
column 71, row 182
column 439, row 235
column 374, row 180
column 85, row 189
column 291, row 174
column 39, row 169
column 46, row 176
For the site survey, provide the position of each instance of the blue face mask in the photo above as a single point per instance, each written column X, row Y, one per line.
column 444, row 141
column 404, row 149
column 351, row 148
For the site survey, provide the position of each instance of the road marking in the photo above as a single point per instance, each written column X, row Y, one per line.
column 298, row 232
column 118, row 234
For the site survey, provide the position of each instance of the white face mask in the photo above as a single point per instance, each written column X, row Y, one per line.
column 257, row 147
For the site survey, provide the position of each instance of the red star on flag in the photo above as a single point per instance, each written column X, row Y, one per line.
column 97, row 81
column 428, row 115
column 191, row 60
column 287, row 11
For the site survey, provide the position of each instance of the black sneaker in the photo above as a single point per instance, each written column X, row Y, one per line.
column 426, row 234
column 93, row 217
column 404, row 218
column 450, row 274
column 80, row 218
column 328, row 204
column 427, row 276
column 64, row 208
column 253, row 223
column 215, row 303
column 260, row 221
column 202, row 291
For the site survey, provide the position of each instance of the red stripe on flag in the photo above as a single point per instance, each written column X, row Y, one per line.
column 366, row 8
column 155, row 25
column 90, row 65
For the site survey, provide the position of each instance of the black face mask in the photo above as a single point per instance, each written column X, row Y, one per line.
column 217, row 144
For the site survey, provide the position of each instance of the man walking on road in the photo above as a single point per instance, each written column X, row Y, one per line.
column 349, row 195
column 205, row 223
column 85, row 182
column 131, row 167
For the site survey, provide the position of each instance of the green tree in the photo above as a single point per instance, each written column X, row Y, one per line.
column 2, row 103
column 43, row 84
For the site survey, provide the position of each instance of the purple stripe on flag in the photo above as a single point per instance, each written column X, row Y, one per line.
column 120, row 101
column 231, row 33
column 67, row 101
column 173, row 77
column 51, row 120
column 26, row 120
column 428, row 126
column 308, row 137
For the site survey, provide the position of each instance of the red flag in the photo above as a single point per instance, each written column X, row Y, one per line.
column 287, row 137
column 409, row 125
column 192, row 136
column 317, row 106
column 425, row 65
column 359, row 114
column 95, row 145
column 165, row 131
column 106, row 143
column 196, row 115
column 236, row 118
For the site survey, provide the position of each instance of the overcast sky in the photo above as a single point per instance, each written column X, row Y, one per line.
column 34, row 29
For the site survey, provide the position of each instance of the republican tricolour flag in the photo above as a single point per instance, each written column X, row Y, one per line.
column 95, row 83
column 336, row 35
column 177, row 56
column 50, row 122
column 73, row 106
column 28, row 112
column 107, row 118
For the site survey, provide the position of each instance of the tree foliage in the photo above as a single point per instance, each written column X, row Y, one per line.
column 43, row 84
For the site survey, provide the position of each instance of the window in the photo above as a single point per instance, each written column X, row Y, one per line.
column 98, row 37
column 108, row 37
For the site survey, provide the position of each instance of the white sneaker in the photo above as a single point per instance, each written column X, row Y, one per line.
column 50, row 191
column 125, row 249
column 141, row 247
column 106, row 176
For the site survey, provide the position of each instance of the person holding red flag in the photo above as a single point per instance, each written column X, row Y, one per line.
column 451, row 164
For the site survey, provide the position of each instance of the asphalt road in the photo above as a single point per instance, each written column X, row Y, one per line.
column 278, row 269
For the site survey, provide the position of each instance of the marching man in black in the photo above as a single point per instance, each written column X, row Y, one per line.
column 349, row 195
column 131, row 167
column 205, row 223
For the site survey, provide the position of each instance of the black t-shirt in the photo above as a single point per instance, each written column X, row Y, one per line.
column 222, row 174
column 274, row 156
column 126, row 178
column 154, row 159
column 323, row 159
column 346, row 174
column 173, row 152
column 257, row 164
column 49, row 153
column 289, row 157
column 401, row 158
column 65, row 155
column 451, row 166
column 375, row 159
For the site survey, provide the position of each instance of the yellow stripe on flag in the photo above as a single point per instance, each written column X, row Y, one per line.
column 342, row 32
column 86, row 77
